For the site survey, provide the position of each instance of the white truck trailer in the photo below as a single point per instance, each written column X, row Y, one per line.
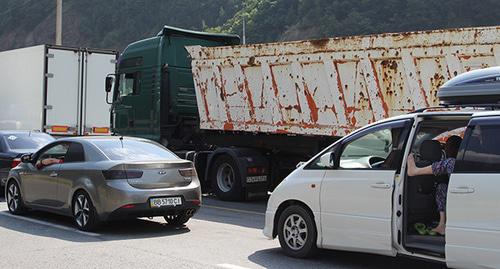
column 55, row 89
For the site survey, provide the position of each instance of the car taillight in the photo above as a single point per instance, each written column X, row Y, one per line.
column 121, row 174
column 15, row 162
column 187, row 172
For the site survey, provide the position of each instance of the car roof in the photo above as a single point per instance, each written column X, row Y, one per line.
column 9, row 132
column 98, row 138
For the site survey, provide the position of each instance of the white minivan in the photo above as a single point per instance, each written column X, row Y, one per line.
column 356, row 194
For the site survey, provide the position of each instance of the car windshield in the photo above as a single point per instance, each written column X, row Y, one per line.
column 27, row 141
column 133, row 150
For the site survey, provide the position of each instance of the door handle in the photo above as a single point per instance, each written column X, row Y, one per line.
column 381, row 185
column 53, row 174
column 462, row 190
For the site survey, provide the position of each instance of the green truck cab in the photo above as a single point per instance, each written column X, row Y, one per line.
column 154, row 95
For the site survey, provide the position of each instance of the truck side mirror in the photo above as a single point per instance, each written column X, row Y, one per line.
column 109, row 83
column 26, row 158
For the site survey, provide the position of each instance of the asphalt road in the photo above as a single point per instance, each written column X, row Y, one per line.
column 222, row 235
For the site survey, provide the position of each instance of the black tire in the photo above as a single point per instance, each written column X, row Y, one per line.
column 84, row 212
column 14, row 198
column 305, row 222
column 232, row 191
column 177, row 220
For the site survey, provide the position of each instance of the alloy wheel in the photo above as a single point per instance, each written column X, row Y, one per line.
column 225, row 177
column 81, row 210
column 295, row 231
column 13, row 197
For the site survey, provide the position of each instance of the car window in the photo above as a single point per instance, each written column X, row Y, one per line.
column 325, row 160
column 75, row 153
column 482, row 152
column 381, row 148
column 27, row 141
column 371, row 150
column 133, row 150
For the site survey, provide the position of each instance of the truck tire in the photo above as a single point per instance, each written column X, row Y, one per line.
column 226, row 179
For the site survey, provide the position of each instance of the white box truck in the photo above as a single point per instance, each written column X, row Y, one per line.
column 55, row 89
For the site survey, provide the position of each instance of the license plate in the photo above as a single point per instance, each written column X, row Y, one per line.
column 256, row 179
column 167, row 201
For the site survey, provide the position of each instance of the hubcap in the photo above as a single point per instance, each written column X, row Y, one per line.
column 295, row 231
column 13, row 197
column 81, row 210
column 225, row 177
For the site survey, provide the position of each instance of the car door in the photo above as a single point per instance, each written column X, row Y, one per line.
column 40, row 182
column 69, row 171
column 5, row 161
column 473, row 206
column 356, row 196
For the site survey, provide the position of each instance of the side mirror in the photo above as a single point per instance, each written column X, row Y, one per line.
column 26, row 158
column 109, row 83
column 300, row 164
column 332, row 159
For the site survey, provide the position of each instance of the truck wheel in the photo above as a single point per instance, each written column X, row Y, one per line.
column 297, row 232
column 226, row 179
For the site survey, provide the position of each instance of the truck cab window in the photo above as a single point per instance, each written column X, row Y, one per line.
column 129, row 84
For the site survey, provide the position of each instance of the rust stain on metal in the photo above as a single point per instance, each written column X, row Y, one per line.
column 385, row 107
column 223, row 93
column 311, row 104
column 250, row 100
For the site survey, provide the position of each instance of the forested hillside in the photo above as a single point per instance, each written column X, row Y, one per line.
column 115, row 23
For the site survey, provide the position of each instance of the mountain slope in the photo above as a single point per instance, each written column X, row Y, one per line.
column 115, row 23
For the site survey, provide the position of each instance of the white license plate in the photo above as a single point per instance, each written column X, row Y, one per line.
column 256, row 179
column 167, row 201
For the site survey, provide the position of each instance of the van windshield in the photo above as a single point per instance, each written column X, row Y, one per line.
column 133, row 150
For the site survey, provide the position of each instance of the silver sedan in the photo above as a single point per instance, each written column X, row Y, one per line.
column 95, row 179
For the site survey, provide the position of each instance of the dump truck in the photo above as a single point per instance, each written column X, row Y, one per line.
column 247, row 114
column 55, row 89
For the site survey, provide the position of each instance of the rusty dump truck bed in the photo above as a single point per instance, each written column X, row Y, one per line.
column 332, row 86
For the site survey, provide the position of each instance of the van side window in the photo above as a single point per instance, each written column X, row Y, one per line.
column 482, row 152
column 129, row 84
column 375, row 150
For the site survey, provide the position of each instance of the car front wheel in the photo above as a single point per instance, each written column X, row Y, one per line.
column 84, row 212
column 297, row 232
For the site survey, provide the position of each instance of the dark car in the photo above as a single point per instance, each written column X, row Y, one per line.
column 13, row 144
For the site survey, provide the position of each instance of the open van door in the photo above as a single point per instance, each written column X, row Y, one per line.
column 473, row 224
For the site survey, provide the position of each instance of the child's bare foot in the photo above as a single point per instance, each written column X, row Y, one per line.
column 440, row 229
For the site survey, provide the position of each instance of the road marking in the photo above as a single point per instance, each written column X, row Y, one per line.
column 230, row 266
column 47, row 224
column 234, row 210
